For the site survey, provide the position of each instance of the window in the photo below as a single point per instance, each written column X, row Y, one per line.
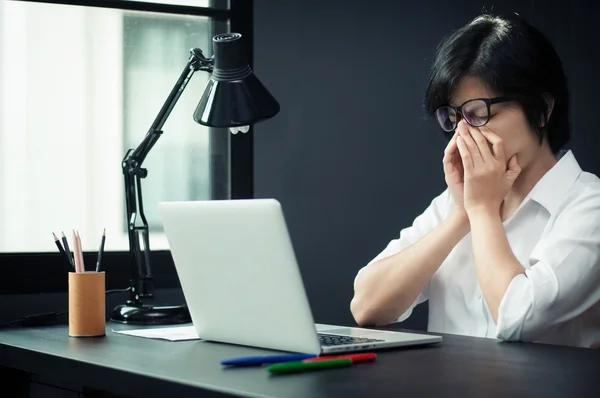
column 81, row 85
column 192, row 3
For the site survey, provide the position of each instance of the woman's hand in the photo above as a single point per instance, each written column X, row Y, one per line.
column 454, row 174
column 488, row 177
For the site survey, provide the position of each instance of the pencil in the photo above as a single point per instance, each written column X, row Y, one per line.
column 81, row 262
column 76, row 253
column 60, row 248
column 101, row 250
column 67, row 249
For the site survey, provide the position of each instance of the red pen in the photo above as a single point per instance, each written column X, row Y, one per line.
column 355, row 358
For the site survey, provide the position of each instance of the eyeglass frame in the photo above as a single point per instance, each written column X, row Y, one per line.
column 458, row 109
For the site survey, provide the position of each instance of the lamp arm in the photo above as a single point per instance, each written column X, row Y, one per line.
column 139, row 245
column 196, row 62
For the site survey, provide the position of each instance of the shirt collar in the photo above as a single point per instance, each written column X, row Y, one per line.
column 554, row 185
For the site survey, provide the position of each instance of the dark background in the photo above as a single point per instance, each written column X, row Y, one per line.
column 350, row 156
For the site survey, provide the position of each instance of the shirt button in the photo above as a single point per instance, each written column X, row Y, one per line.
column 479, row 295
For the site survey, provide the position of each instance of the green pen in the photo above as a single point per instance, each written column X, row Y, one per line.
column 300, row 366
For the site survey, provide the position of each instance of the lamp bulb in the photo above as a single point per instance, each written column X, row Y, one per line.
column 237, row 129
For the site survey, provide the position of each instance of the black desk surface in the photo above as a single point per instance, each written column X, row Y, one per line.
column 459, row 366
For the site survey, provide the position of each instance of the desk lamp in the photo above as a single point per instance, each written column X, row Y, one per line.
column 234, row 98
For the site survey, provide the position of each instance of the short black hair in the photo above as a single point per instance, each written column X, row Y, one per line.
column 512, row 58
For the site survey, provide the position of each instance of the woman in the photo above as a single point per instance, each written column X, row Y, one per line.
column 511, row 249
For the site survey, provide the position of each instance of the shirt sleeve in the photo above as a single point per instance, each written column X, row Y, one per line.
column 563, row 280
column 423, row 224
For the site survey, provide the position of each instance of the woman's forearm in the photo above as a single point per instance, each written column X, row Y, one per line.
column 495, row 262
column 387, row 288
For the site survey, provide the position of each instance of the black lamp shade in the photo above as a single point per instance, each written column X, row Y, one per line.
column 234, row 96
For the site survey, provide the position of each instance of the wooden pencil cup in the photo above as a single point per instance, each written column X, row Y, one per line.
column 87, row 304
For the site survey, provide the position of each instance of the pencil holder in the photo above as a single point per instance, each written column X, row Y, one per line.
column 87, row 304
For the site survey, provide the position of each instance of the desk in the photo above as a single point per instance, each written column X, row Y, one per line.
column 459, row 366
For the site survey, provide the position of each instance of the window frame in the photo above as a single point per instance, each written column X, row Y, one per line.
column 45, row 272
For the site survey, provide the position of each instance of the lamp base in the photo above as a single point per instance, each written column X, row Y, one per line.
column 151, row 315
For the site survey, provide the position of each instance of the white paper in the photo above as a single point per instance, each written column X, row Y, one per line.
column 179, row 333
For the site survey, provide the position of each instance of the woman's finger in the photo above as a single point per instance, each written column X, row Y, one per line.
column 482, row 144
column 465, row 154
column 449, row 154
column 468, row 141
column 448, row 166
column 451, row 147
column 497, row 144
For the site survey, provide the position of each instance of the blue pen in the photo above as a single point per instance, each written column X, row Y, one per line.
column 260, row 360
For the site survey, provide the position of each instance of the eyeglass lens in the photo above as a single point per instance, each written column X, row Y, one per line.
column 475, row 112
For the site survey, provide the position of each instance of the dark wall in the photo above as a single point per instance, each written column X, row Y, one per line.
column 350, row 156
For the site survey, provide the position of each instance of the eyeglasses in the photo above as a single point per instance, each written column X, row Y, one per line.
column 475, row 111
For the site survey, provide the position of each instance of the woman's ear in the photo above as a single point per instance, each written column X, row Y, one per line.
column 549, row 99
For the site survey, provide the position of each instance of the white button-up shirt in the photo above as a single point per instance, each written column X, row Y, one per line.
column 555, row 235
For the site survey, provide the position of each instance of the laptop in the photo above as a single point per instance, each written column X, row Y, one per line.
column 242, row 284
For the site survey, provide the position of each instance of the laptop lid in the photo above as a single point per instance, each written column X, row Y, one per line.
column 238, row 272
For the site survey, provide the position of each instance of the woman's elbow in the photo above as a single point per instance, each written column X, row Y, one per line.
column 506, row 335
column 368, row 313
column 360, row 308
column 371, row 306
column 363, row 315
column 522, row 330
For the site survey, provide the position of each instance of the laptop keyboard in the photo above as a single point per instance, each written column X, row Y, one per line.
column 332, row 339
